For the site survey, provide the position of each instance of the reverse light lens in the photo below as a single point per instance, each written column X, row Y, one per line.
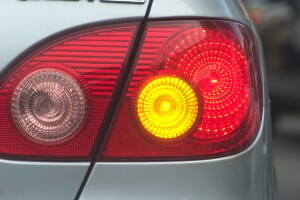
column 48, row 106
column 167, row 107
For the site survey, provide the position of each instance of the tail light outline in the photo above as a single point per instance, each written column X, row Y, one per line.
column 256, row 81
column 257, row 74
column 42, row 46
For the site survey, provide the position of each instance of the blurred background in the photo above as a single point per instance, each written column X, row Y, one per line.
column 278, row 23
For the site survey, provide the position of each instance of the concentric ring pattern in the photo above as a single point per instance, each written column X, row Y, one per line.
column 219, row 67
column 48, row 105
column 167, row 107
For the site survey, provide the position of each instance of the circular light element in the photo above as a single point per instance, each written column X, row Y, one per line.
column 218, row 65
column 48, row 106
column 167, row 107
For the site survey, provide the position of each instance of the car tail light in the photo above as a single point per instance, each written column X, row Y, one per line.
column 195, row 93
column 52, row 103
column 48, row 106
column 167, row 107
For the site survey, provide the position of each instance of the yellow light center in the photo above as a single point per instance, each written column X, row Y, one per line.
column 167, row 107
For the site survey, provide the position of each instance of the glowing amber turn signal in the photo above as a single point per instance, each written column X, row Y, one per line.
column 167, row 107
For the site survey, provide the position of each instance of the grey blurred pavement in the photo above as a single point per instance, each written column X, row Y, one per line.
column 287, row 163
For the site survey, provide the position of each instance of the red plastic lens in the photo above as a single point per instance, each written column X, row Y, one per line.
column 52, row 84
column 220, row 59
column 218, row 65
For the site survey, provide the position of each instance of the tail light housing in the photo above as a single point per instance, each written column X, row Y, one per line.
column 52, row 103
column 195, row 93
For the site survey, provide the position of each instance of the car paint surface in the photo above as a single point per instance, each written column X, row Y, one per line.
column 24, row 24
column 246, row 175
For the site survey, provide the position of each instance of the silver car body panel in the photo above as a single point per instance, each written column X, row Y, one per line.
column 241, row 176
column 124, row 1
column 246, row 175
column 23, row 24
column 36, row 180
column 223, row 9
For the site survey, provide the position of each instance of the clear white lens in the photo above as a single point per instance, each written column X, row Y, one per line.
column 48, row 105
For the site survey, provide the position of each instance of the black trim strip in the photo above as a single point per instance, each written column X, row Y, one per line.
column 117, row 98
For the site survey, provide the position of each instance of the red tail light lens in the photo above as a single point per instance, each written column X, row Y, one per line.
column 219, row 62
column 53, row 102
